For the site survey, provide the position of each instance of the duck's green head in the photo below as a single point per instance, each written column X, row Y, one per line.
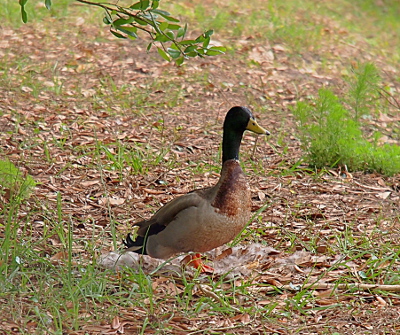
column 237, row 120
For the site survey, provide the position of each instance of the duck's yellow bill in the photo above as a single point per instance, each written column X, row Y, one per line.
column 256, row 128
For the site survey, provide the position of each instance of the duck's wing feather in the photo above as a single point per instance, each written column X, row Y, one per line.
column 168, row 213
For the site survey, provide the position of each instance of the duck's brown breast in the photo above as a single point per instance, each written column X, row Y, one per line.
column 233, row 195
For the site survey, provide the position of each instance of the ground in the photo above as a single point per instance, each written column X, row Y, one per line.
column 110, row 133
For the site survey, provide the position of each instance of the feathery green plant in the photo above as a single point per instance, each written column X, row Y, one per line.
column 363, row 91
column 332, row 135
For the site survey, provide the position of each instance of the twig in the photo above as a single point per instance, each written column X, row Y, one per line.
column 396, row 104
column 327, row 286
column 211, row 294
column 372, row 187
column 214, row 329
column 122, row 10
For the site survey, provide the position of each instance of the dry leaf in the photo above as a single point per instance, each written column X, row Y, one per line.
column 115, row 324
column 111, row 201
column 90, row 182
column 261, row 55
column 383, row 195
column 62, row 255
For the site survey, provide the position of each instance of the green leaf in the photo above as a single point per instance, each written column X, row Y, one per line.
column 222, row 49
column 24, row 15
column 182, row 31
column 161, row 38
column 117, row 34
column 144, row 4
column 172, row 19
column 161, row 12
column 131, row 31
column 187, row 42
column 208, row 33
column 107, row 18
column 120, row 22
column 140, row 21
column 141, row 5
column 136, row 5
column 48, row 4
column 200, row 39
column 206, row 42
column 149, row 47
column 163, row 25
column 215, row 51
column 192, row 54
column 173, row 26
column 179, row 61
column 173, row 53
column 163, row 54
column 190, row 48
column 155, row 4
column 164, row 14
column 170, row 34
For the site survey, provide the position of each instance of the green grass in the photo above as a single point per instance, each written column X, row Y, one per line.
column 300, row 25
column 14, row 182
column 61, row 11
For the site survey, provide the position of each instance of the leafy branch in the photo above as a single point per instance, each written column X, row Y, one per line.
column 164, row 31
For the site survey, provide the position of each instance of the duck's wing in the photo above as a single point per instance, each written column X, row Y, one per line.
column 169, row 212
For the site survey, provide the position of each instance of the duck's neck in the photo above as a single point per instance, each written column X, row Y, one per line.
column 231, row 145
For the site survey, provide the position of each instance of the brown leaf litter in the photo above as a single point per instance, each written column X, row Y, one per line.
column 290, row 248
column 235, row 261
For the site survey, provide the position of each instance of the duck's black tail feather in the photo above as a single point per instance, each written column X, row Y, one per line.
column 138, row 245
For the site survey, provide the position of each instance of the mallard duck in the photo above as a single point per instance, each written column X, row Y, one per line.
column 203, row 219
